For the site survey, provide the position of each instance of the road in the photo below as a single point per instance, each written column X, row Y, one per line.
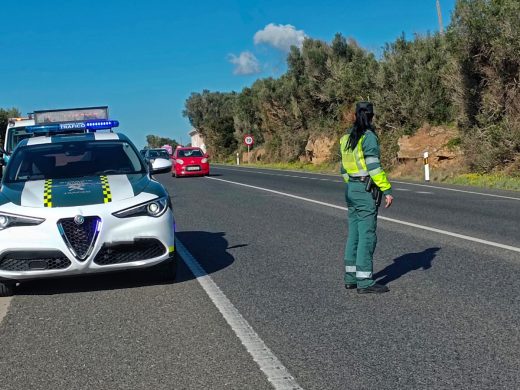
column 270, row 289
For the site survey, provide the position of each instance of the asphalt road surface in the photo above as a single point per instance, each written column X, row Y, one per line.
column 259, row 302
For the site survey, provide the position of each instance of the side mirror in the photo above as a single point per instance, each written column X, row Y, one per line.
column 206, row 155
column 161, row 165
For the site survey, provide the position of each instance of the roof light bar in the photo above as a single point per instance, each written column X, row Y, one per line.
column 92, row 125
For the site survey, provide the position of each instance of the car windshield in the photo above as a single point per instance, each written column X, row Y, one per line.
column 73, row 159
column 190, row 153
column 163, row 153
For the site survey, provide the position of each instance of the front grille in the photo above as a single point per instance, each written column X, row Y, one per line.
column 141, row 249
column 33, row 261
column 80, row 238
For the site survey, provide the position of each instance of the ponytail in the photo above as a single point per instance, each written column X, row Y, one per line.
column 361, row 125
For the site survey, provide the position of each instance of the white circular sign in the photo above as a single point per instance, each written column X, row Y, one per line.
column 249, row 140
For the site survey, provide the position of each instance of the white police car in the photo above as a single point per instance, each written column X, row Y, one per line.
column 82, row 203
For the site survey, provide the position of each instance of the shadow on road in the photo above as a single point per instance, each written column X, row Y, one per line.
column 406, row 263
column 210, row 249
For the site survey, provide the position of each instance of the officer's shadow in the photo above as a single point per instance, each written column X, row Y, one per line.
column 406, row 263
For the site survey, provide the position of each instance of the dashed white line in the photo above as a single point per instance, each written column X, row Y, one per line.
column 393, row 181
column 279, row 174
column 455, row 190
column 4, row 305
column 422, row 227
column 424, row 192
column 275, row 371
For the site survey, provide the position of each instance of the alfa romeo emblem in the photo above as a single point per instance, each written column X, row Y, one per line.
column 79, row 219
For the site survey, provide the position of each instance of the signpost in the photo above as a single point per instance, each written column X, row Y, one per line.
column 249, row 141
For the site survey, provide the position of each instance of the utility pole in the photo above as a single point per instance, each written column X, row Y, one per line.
column 439, row 15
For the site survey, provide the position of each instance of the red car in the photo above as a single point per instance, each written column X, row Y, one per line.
column 190, row 162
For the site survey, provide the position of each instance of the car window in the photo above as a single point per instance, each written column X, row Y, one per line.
column 73, row 159
column 163, row 153
column 190, row 153
column 14, row 136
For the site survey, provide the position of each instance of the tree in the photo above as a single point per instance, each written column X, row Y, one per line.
column 211, row 113
column 5, row 114
column 155, row 141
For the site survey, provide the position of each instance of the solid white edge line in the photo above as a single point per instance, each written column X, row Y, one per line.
column 4, row 306
column 340, row 181
column 455, row 190
column 274, row 370
column 440, row 231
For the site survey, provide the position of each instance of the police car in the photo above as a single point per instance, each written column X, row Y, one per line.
column 80, row 203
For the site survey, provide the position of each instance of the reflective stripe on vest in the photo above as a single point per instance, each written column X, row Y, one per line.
column 353, row 161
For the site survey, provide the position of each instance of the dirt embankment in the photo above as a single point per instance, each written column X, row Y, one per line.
column 442, row 144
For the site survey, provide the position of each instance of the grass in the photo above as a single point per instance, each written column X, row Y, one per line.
column 494, row 181
column 497, row 181
column 298, row 166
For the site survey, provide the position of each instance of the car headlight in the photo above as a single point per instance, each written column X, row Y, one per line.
column 204, row 160
column 179, row 161
column 153, row 208
column 9, row 220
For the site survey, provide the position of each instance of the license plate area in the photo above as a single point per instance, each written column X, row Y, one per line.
column 194, row 168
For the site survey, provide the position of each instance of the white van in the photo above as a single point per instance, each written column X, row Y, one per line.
column 14, row 133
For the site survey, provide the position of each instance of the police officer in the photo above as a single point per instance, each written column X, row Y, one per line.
column 360, row 160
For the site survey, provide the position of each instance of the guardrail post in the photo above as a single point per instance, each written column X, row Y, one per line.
column 426, row 167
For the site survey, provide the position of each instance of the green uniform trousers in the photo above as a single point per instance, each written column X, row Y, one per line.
column 362, row 239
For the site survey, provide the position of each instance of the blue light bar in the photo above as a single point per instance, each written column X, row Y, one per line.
column 101, row 124
column 92, row 125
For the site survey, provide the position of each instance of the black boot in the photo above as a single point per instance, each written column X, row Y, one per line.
column 374, row 289
column 350, row 286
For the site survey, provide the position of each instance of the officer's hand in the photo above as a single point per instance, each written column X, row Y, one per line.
column 388, row 200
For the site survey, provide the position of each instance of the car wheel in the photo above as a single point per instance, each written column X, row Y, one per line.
column 167, row 270
column 6, row 289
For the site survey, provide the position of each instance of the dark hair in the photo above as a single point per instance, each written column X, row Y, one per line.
column 364, row 115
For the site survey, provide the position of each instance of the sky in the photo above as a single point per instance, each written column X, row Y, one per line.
column 144, row 58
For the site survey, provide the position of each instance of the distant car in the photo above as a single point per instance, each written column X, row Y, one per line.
column 190, row 162
column 152, row 154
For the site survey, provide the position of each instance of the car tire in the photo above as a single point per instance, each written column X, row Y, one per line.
column 6, row 289
column 167, row 270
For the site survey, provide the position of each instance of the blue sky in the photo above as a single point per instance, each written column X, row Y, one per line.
column 144, row 58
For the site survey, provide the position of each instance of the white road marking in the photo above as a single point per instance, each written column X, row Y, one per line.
column 455, row 190
column 400, row 189
column 422, row 227
column 424, row 192
column 279, row 174
column 4, row 305
column 392, row 181
column 275, row 371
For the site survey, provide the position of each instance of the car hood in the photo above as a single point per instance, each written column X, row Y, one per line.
column 79, row 191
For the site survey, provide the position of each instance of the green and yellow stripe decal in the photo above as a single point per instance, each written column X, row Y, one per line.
column 47, row 193
column 107, row 195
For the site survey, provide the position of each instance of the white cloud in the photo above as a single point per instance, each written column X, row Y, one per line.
column 245, row 63
column 279, row 36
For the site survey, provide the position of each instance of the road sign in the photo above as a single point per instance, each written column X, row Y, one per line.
column 249, row 140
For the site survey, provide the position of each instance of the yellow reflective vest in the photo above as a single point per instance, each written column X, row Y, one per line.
column 364, row 160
